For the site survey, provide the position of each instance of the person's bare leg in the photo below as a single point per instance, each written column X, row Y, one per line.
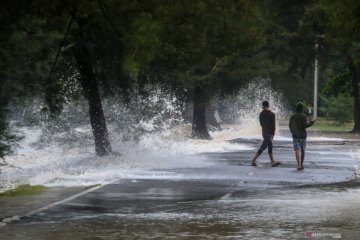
column 297, row 155
column 302, row 159
column 253, row 161
column 273, row 162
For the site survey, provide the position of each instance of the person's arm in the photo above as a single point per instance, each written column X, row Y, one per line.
column 306, row 124
column 273, row 125
column 260, row 120
column 311, row 122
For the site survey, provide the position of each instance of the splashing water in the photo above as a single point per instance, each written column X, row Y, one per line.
column 243, row 108
column 149, row 133
column 60, row 151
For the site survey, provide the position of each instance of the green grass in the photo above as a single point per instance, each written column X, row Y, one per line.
column 91, row 186
column 324, row 124
column 25, row 189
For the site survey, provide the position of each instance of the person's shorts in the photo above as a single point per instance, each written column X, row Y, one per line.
column 299, row 144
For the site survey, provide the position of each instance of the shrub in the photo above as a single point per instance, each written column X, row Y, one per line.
column 339, row 108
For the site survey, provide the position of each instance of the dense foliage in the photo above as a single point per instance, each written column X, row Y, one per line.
column 64, row 50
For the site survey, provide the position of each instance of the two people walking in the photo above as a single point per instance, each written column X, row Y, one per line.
column 297, row 125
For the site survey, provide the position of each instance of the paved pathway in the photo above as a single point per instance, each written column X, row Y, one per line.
column 191, row 192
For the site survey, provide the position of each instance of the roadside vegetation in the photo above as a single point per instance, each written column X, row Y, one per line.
column 198, row 51
column 326, row 124
column 22, row 190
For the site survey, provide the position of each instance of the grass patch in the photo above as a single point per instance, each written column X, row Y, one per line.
column 25, row 189
column 91, row 186
column 324, row 124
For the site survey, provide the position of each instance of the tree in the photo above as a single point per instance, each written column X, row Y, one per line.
column 338, row 108
column 53, row 37
column 293, row 27
column 88, row 78
column 343, row 33
column 338, row 84
column 24, row 56
column 201, row 46
column 91, row 93
column 6, row 138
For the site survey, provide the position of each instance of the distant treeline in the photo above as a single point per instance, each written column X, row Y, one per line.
column 62, row 50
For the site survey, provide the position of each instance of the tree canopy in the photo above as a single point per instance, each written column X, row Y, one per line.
column 63, row 50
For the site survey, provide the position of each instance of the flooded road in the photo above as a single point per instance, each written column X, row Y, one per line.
column 223, row 198
column 287, row 213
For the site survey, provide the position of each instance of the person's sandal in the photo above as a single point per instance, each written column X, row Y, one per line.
column 276, row 164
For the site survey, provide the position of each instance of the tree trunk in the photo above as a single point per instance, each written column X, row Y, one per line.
column 91, row 93
column 355, row 87
column 199, row 129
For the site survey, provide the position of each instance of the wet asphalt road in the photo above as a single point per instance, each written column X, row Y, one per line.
column 226, row 198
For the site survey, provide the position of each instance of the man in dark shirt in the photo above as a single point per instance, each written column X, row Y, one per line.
column 298, row 125
column 267, row 122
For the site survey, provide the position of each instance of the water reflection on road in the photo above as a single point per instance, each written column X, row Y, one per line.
column 249, row 214
column 224, row 198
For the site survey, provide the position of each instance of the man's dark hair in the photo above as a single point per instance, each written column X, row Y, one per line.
column 265, row 104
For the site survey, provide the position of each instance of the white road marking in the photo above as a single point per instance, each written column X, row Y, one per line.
column 8, row 220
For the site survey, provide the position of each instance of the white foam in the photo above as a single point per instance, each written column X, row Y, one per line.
column 30, row 137
column 149, row 134
column 64, row 166
column 324, row 139
column 57, row 165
